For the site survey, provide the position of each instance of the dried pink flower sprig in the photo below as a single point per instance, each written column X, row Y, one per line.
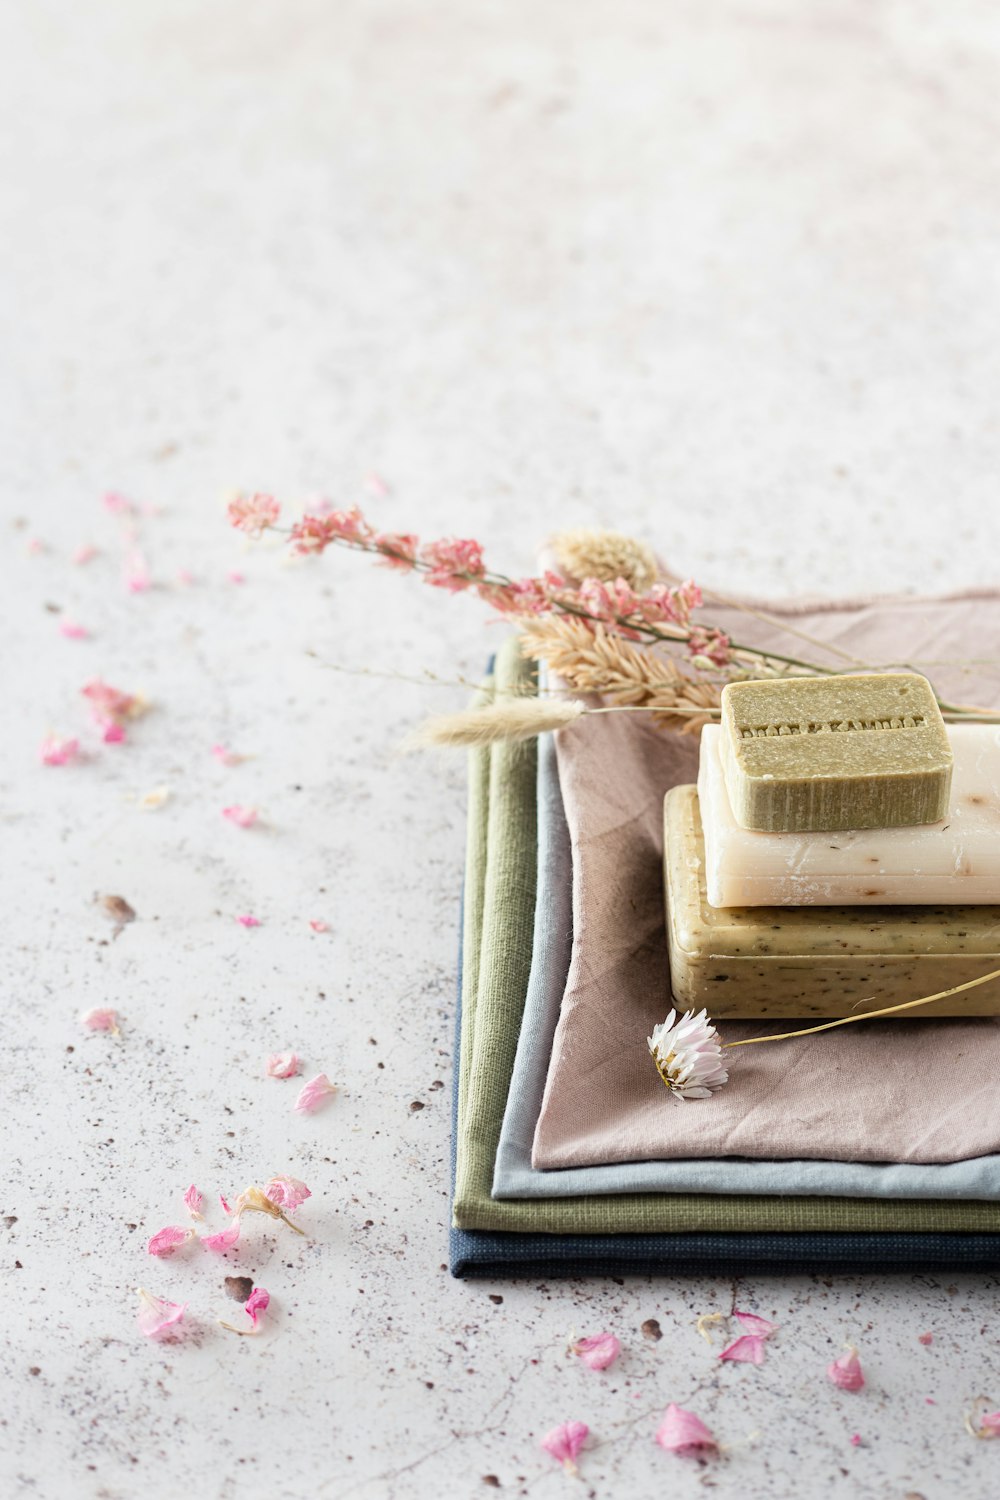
column 661, row 612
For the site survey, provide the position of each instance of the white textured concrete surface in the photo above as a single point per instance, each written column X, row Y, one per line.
column 724, row 274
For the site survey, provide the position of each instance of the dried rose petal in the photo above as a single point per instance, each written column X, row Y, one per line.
column 318, row 926
column 243, row 817
column 136, row 574
column 84, row 554
column 72, row 631
column 58, row 752
column 282, row 1065
column 753, row 1324
column 248, row 921
column 225, row 1206
column 113, row 734
column 156, row 1316
column 227, row 757
column 565, row 1442
column 235, row 576
column 101, row 1018
column 287, row 1192
column 845, row 1372
column 166, row 1241
column 193, row 1201
column 117, row 504
column 598, row 1351
column 256, row 1304
column 224, row 1240
column 314, row 1093
column 682, row 1432
column 925, row 1338
column 747, row 1349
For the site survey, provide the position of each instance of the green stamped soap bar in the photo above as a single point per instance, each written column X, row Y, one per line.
column 804, row 754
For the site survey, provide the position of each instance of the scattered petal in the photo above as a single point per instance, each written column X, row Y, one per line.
column 705, row 1321
column 252, row 1200
column 243, row 817
column 185, row 577
column 257, row 1303
column 377, row 485
column 855, row 1440
column 925, row 1338
column 682, row 1432
column 598, row 1351
column 84, row 554
column 102, row 1018
column 34, row 546
column 110, row 706
column 282, row 1065
column 137, row 575
column 224, row 1240
column 166, row 1241
column 113, row 734
column 253, row 513
column 314, row 1093
column 688, row 1055
column 565, row 1442
column 118, row 504
column 227, row 757
column 287, row 1192
column 58, row 752
column 150, row 801
column 156, row 1316
column 72, row 631
column 225, row 1206
column 193, row 1201
column 747, row 1349
column 235, row 576
column 845, row 1372
column 318, row 926
column 755, row 1325
column 248, row 921
column 980, row 1422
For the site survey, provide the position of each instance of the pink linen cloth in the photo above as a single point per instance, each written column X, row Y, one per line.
column 880, row 1091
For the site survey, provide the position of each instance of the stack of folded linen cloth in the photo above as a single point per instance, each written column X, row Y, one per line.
column 873, row 1147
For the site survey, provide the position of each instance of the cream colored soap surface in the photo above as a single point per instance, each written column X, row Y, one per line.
column 955, row 861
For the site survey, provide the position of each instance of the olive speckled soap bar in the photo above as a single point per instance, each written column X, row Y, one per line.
column 823, row 961
column 805, row 754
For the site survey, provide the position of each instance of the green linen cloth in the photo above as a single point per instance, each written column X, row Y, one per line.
column 500, row 874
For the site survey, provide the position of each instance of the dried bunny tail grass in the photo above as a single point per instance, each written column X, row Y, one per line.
column 589, row 552
column 593, row 660
column 508, row 719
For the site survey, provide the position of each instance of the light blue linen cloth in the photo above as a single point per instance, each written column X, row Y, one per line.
column 515, row 1177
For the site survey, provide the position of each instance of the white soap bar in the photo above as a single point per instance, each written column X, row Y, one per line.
column 953, row 862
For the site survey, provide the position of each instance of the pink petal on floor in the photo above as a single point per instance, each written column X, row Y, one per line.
column 224, row 1240
column 72, row 631
column 225, row 756
column 157, row 1317
column 137, row 576
column 925, row 1338
column 113, row 734
column 287, row 1192
column 101, row 1018
column 753, row 1324
column 682, row 1432
column 314, row 1093
column 747, row 1349
column 845, row 1372
column 257, row 1303
column 248, row 921
column 118, row 504
column 281, row 1065
column 84, row 554
column 58, row 752
column 235, row 576
column 318, row 926
column 564, row 1443
column 225, row 1206
column 193, row 1201
column 855, row 1440
column 166, row 1241
column 598, row 1351
column 243, row 817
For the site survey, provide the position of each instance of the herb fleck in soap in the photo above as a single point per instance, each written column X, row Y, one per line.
column 804, row 754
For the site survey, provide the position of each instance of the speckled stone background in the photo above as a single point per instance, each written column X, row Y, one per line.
column 725, row 274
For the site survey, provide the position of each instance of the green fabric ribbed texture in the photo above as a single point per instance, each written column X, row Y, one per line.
column 500, row 875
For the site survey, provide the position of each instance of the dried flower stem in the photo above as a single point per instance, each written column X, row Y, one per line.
column 869, row 1015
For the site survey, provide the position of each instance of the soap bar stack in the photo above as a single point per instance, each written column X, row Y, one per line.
column 841, row 852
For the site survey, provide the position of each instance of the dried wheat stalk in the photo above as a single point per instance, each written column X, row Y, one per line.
column 593, row 660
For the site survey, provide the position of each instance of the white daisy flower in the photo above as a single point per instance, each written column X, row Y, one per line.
column 688, row 1055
